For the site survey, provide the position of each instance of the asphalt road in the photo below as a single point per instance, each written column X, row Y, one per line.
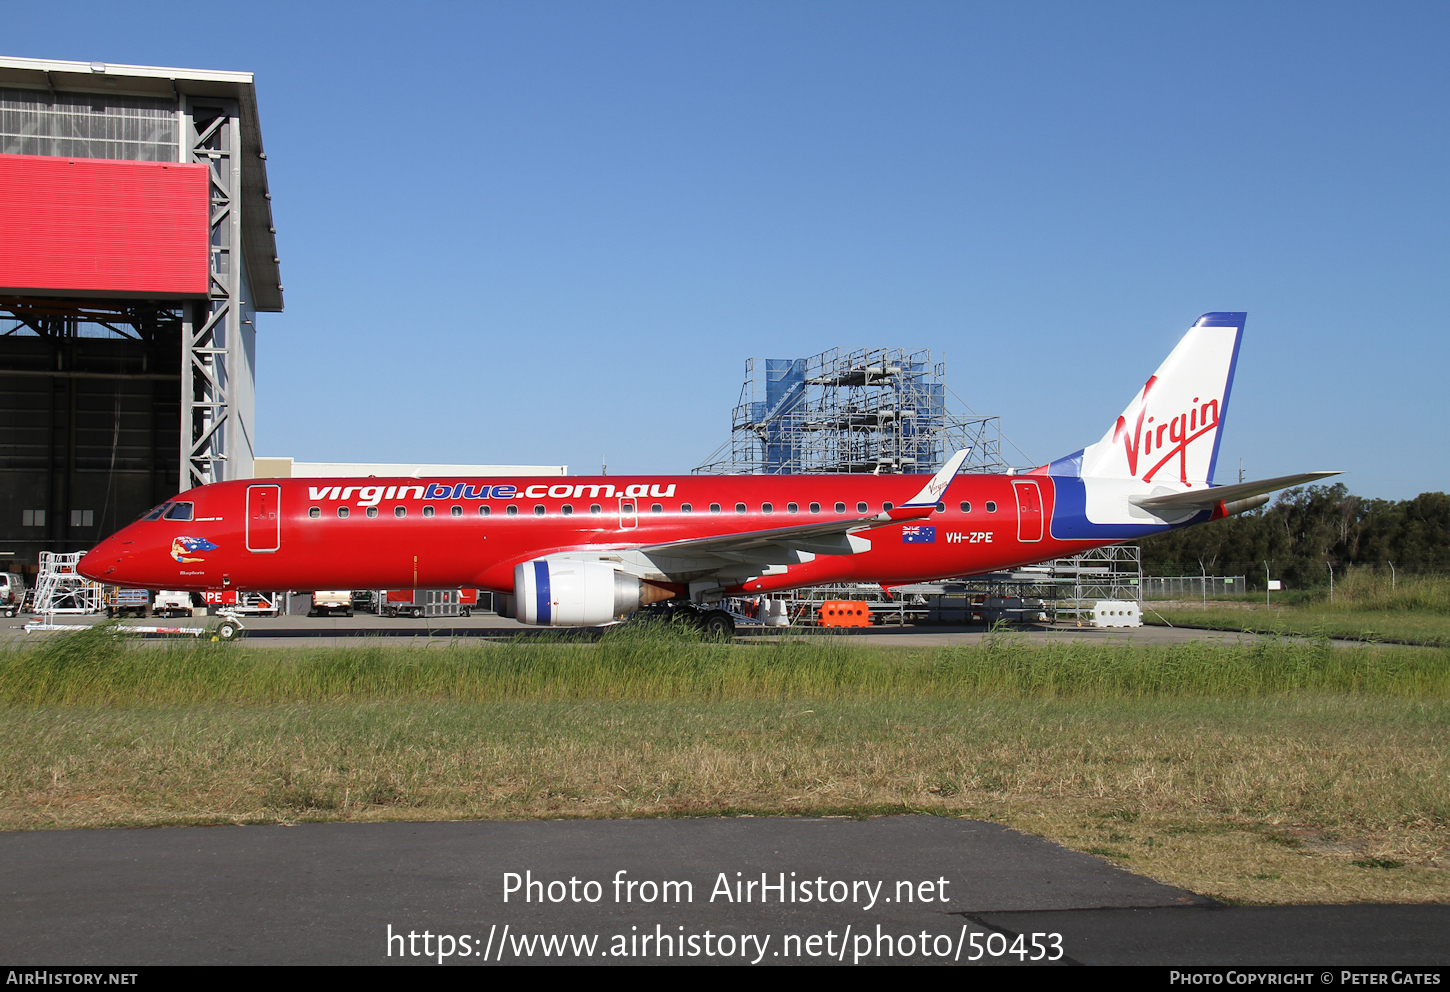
column 890, row 890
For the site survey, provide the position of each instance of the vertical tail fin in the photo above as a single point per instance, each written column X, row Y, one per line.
column 1170, row 431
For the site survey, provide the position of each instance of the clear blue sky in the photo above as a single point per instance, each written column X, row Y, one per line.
column 538, row 232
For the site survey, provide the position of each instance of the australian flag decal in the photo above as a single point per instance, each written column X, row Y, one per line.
column 918, row 534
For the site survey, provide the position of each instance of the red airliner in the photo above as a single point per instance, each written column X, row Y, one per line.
column 586, row 551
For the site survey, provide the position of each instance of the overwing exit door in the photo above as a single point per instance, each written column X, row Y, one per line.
column 628, row 513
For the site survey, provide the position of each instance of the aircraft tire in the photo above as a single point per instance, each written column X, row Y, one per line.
column 717, row 624
column 227, row 630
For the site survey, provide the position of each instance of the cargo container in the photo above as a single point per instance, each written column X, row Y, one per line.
column 427, row 602
column 120, row 602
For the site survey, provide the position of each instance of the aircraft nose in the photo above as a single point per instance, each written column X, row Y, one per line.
column 101, row 562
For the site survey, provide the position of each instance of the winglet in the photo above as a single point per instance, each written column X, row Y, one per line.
column 933, row 491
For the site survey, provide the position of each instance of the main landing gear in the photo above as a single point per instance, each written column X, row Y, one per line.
column 714, row 624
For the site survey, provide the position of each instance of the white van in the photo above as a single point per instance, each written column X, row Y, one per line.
column 12, row 593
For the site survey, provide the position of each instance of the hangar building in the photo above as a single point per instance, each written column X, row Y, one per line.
column 138, row 247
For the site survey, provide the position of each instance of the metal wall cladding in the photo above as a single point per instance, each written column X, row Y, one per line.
column 99, row 225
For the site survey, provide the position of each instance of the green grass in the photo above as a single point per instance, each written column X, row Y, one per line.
column 1420, row 626
column 1258, row 773
column 92, row 667
column 1253, row 798
column 1367, row 603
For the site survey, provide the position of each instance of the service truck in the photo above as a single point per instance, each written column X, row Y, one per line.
column 172, row 603
column 331, row 603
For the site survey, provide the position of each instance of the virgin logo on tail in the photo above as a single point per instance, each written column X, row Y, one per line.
column 1168, row 438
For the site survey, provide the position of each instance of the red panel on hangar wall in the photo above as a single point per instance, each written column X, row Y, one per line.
column 102, row 226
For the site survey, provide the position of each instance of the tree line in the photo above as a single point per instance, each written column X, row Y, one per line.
column 1305, row 532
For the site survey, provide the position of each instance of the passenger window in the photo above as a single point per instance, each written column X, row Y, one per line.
column 888, row 507
column 714, row 507
column 179, row 511
column 991, row 507
column 372, row 511
column 343, row 511
column 815, row 508
column 626, row 508
column 538, row 509
column 861, row 507
column 686, row 508
column 739, row 507
column 456, row 511
column 568, row 510
column 400, row 511
column 840, row 507
column 484, row 510
column 941, row 508
column 792, row 508
column 656, row 508
column 314, row 512
column 513, row 511
column 966, row 507
column 766, row 508
column 593, row 507
column 427, row 511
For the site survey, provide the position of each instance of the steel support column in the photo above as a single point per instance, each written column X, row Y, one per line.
column 216, row 403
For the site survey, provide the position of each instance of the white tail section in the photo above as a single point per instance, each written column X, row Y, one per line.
column 1169, row 434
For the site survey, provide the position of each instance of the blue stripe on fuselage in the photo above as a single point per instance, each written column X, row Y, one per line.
column 1070, row 522
column 542, row 593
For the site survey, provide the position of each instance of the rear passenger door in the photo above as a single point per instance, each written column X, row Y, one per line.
column 1029, row 511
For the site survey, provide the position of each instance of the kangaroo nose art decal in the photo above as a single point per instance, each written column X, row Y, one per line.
column 181, row 547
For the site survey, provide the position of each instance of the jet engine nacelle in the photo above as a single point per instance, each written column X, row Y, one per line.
column 563, row 593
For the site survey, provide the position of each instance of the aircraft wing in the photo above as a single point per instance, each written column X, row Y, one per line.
column 828, row 537
column 1205, row 499
column 836, row 537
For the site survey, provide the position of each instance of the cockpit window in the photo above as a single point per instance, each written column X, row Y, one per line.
column 179, row 511
column 154, row 514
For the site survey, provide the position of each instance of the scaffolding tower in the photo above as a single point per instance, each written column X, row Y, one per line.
column 878, row 410
column 59, row 588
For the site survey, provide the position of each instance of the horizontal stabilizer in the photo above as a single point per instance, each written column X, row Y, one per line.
column 1204, row 499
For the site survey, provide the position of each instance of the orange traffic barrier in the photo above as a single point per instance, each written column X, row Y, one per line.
column 845, row 613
